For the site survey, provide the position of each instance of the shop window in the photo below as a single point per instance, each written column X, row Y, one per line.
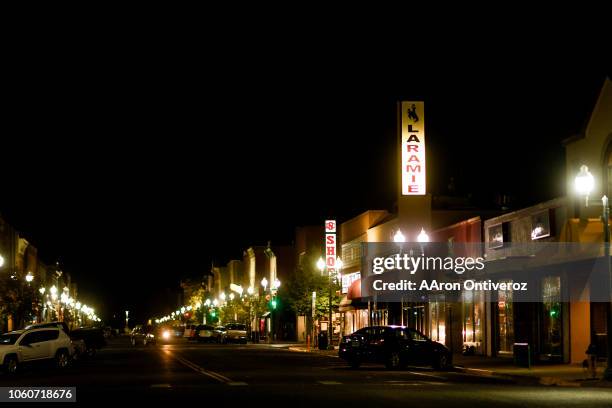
column 437, row 327
column 552, row 319
column 505, row 320
column 473, row 315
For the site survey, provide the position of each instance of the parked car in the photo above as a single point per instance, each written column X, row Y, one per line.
column 85, row 341
column 142, row 334
column 190, row 332
column 93, row 338
column 37, row 344
column 219, row 334
column 235, row 333
column 205, row 332
column 394, row 346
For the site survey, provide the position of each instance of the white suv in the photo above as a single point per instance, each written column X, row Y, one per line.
column 24, row 346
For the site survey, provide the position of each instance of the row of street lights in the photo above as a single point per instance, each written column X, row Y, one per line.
column 52, row 301
column 221, row 301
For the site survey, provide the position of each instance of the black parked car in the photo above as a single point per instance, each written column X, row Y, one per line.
column 394, row 346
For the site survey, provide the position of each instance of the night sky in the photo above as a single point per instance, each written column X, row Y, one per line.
column 137, row 167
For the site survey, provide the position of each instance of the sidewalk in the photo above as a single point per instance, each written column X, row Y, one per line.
column 566, row 375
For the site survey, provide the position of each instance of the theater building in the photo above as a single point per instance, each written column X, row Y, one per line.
column 490, row 322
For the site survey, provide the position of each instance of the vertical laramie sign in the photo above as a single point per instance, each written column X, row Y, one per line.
column 413, row 148
column 330, row 246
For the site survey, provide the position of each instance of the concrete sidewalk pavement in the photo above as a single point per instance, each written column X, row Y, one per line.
column 567, row 375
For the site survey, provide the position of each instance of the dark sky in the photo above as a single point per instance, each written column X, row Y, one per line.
column 138, row 164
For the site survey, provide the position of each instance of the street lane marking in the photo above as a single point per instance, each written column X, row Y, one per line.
column 427, row 375
column 216, row 376
column 237, row 383
column 415, row 383
column 330, row 382
column 161, row 386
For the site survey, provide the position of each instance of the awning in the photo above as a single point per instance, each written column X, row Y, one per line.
column 345, row 304
column 354, row 291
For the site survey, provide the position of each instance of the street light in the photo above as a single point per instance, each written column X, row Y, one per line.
column 399, row 237
column 29, row 277
column 264, row 283
column 321, row 264
column 584, row 184
column 42, row 290
column 250, row 290
column 423, row 237
column 322, row 267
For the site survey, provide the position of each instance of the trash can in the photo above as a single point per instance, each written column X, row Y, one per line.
column 322, row 337
column 522, row 355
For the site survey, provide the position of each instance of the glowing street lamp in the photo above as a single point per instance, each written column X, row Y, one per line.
column 264, row 283
column 29, row 277
column 399, row 237
column 423, row 237
column 321, row 264
column 42, row 290
column 250, row 290
column 584, row 184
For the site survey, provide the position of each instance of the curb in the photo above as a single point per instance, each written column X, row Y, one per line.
column 332, row 353
column 533, row 380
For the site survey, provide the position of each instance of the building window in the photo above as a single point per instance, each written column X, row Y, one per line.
column 437, row 322
column 552, row 328
column 473, row 315
column 505, row 320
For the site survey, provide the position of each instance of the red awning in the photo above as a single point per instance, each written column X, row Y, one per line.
column 354, row 291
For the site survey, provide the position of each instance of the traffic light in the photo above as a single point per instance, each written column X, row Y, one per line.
column 273, row 304
column 213, row 313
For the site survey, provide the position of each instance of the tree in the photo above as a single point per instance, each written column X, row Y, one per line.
column 306, row 279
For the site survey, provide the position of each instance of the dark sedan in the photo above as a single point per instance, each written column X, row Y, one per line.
column 394, row 346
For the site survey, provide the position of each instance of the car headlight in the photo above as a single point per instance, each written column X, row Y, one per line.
column 166, row 334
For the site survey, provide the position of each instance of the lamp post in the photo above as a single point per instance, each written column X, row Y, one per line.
column 323, row 267
column 584, row 183
column 250, row 293
column 399, row 239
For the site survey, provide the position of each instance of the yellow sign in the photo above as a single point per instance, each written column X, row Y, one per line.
column 413, row 148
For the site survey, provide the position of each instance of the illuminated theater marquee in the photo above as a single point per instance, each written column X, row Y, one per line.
column 413, row 148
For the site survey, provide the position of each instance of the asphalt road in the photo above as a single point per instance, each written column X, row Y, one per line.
column 262, row 375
